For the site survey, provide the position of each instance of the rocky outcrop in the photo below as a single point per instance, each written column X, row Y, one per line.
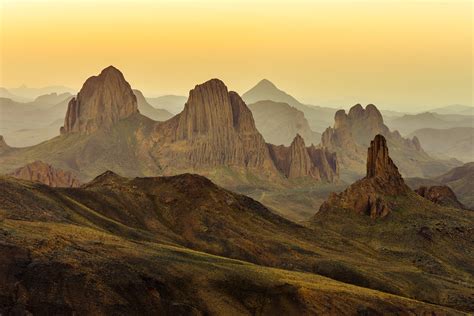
column 352, row 133
column 379, row 163
column 215, row 128
column 3, row 145
column 46, row 174
column 367, row 196
column 299, row 161
column 103, row 100
column 440, row 194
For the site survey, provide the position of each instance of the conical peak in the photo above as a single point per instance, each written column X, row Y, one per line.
column 265, row 83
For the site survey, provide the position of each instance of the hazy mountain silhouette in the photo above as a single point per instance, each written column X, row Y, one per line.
column 318, row 117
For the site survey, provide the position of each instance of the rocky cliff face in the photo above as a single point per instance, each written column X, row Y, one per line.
column 215, row 129
column 102, row 101
column 353, row 131
column 379, row 163
column 440, row 194
column 46, row 174
column 299, row 161
column 367, row 196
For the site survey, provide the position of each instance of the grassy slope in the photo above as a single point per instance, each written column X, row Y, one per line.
column 64, row 268
column 430, row 243
column 396, row 254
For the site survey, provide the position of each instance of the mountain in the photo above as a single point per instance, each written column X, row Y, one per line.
column 171, row 103
column 165, row 237
column 279, row 123
column 26, row 124
column 214, row 129
column 5, row 93
column 318, row 117
column 146, row 109
column 299, row 161
column 460, row 179
column 382, row 213
column 47, row 174
column 456, row 142
column 352, row 133
column 103, row 100
column 410, row 122
column 31, row 93
column 214, row 135
column 454, row 109
column 51, row 98
column 366, row 196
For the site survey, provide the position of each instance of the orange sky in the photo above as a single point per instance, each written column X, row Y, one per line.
column 404, row 54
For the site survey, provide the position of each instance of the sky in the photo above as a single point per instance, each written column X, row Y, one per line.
column 397, row 54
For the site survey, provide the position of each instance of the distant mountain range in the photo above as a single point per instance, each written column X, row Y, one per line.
column 279, row 123
column 410, row 122
column 457, row 142
column 454, row 109
column 25, row 94
column 171, row 103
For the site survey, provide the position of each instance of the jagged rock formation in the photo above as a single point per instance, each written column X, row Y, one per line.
column 366, row 196
column 353, row 131
column 299, row 161
column 215, row 135
column 215, row 129
column 102, row 101
column 440, row 194
column 279, row 123
column 46, row 174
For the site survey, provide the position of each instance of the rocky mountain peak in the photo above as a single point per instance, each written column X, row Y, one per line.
column 298, row 161
column 265, row 84
column 367, row 196
column 102, row 101
column 44, row 173
column 207, row 111
column 215, row 128
column 379, row 163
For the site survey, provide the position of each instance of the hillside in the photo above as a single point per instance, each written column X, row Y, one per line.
column 149, row 111
column 279, row 123
column 459, row 179
column 171, row 103
column 166, row 217
column 410, row 122
column 27, row 124
column 456, row 142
